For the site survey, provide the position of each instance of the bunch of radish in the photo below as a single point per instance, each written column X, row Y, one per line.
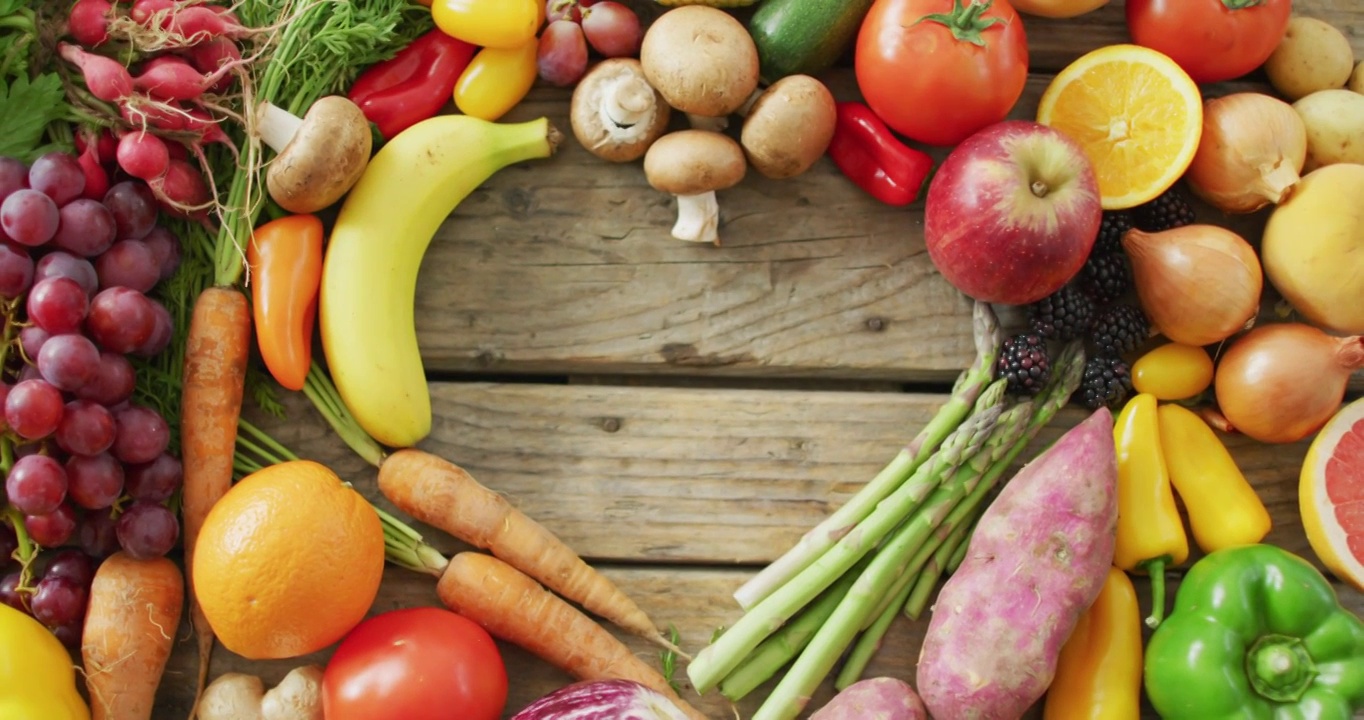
column 164, row 106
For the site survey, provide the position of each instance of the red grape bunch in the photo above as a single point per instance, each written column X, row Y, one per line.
column 86, row 469
column 609, row 28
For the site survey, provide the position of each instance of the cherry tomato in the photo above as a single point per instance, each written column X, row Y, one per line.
column 937, row 71
column 415, row 664
column 1213, row 40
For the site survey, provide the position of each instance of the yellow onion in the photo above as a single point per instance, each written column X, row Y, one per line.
column 1251, row 153
column 1281, row 382
column 1198, row 284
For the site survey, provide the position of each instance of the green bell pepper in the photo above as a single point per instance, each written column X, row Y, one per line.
column 1256, row 632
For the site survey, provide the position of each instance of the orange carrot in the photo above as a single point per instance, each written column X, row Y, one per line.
column 216, row 352
column 440, row 493
column 512, row 606
column 130, row 626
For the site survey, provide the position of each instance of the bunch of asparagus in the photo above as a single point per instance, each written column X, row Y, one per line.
column 840, row 587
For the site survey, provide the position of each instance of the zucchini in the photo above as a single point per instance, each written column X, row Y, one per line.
column 804, row 37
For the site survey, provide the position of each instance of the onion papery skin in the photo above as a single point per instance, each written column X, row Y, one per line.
column 1198, row 284
column 1251, row 154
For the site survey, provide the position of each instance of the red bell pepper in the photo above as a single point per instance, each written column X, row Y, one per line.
column 866, row 150
column 412, row 85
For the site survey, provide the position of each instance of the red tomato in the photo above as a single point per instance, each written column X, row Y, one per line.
column 1213, row 40
column 937, row 71
column 415, row 664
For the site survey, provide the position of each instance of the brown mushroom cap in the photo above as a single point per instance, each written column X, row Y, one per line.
column 701, row 59
column 691, row 162
column 789, row 127
column 620, row 81
column 325, row 158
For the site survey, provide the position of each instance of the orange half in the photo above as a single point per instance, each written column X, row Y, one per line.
column 1137, row 115
column 1331, row 494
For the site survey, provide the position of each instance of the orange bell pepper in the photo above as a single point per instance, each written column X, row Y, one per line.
column 285, row 260
column 496, row 80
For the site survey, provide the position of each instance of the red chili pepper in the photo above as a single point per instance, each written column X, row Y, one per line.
column 866, row 150
column 414, row 84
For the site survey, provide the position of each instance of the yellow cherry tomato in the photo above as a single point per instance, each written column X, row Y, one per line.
column 1173, row 371
column 496, row 80
column 502, row 24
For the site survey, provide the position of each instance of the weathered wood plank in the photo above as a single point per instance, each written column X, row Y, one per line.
column 696, row 601
column 686, row 475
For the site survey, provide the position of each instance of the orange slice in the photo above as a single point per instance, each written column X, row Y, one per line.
column 1331, row 494
column 1137, row 115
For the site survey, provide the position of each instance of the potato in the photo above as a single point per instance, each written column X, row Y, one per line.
column 1312, row 56
column 1335, row 127
column 1357, row 78
column 1036, row 562
column 882, row 698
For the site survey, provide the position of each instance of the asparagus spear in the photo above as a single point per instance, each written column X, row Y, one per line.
column 719, row 659
column 959, row 556
column 968, row 388
column 916, row 600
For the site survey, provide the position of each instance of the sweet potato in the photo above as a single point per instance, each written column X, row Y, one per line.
column 1036, row 562
column 882, row 698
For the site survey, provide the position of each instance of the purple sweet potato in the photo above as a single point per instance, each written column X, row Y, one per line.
column 1036, row 562
column 882, row 698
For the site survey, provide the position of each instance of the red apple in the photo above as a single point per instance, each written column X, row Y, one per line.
column 1012, row 213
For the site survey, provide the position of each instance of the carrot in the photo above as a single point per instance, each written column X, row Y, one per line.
column 216, row 351
column 130, row 626
column 440, row 493
column 512, row 606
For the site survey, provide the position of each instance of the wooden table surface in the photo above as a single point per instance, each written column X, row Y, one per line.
column 680, row 414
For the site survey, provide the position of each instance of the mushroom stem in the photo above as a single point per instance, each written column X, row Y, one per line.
column 748, row 104
column 626, row 102
column 276, row 126
column 713, row 124
column 698, row 218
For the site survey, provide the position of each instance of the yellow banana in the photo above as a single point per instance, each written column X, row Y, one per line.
column 369, row 277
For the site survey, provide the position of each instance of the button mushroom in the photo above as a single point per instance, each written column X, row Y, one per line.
column 320, row 155
column 789, row 127
column 693, row 164
column 616, row 114
column 703, row 61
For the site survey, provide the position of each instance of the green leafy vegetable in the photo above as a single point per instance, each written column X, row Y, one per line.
column 26, row 109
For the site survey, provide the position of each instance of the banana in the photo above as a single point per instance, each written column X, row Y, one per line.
column 369, row 276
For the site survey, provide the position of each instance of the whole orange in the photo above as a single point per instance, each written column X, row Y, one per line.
column 287, row 562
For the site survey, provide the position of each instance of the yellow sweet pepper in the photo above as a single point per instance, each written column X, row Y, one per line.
column 1224, row 510
column 496, row 80
column 1099, row 670
column 1150, row 530
column 37, row 678
column 503, row 24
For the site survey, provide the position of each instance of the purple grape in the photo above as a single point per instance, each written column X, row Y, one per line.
column 70, row 633
column 33, row 408
column 68, row 361
column 161, row 333
column 29, row 217
column 58, row 601
column 130, row 264
column 31, row 341
column 10, row 595
column 57, row 175
column 155, row 481
column 73, row 565
column 147, row 530
column 94, row 482
column 36, row 485
column 113, row 383
column 29, row 372
column 16, row 270
column 13, row 176
column 121, row 319
column 53, row 529
column 87, row 428
column 165, row 247
column 58, row 305
column 86, row 229
column 134, row 209
column 60, row 263
column 142, row 434
column 98, row 537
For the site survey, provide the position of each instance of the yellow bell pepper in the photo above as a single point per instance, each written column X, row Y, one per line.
column 1099, row 670
column 1150, row 530
column 37, row 677
column 496, row 80
column 502, row 24
column 1224, row 510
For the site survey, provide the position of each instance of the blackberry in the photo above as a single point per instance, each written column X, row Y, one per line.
column 1171, row 209
column 1023, row 361
column 1064, row 315
column 1120, row 330
column 1107, row 381
column 1106, row 277
column 1115, row 223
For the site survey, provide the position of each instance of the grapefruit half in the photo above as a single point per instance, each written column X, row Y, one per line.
column 1331, row 494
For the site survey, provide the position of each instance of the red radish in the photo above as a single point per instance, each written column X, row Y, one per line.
column 142, row 111
column 107, row 147
column 177, row 151
column 88, row 22
column 199, row 22
column 143, row 155
column 212, row 54
column 143, row 11
column 175, row 79
column 106, row 78
column 208, row 129
column 182, row 191
column 96, row 179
